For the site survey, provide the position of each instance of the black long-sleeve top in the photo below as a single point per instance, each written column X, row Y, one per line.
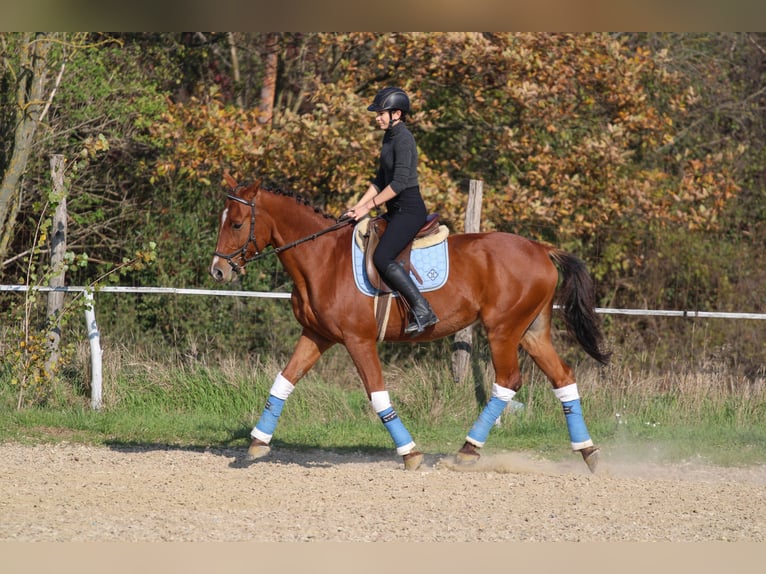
column 398, row 160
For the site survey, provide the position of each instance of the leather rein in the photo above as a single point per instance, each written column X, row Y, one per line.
column 242, row 251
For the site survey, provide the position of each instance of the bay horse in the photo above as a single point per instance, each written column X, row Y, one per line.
column 504, row 281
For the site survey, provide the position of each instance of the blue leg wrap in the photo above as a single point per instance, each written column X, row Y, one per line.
column 578, row 432
column 395, row 427
column 480, row 429
column 267, row 424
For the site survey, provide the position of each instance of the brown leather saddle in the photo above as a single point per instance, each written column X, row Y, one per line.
column 371, row 239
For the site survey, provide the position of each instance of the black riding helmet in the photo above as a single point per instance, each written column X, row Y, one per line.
column 390, row 99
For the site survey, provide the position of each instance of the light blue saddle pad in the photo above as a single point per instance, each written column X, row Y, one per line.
column 431, row 263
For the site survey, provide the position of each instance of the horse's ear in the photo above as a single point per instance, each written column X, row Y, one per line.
column 230, row 180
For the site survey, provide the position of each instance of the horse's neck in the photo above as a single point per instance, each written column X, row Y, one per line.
column 292, row 219
column 292, row 222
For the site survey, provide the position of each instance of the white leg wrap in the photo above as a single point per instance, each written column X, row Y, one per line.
column 262, row 436
column 281, row 387
column 568, row 393
column 502, row 393
column 380, row 401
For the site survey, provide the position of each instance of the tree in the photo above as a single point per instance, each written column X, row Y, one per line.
column 268, row 91
column 29, row 73
column 110, row 91
column 572, row 134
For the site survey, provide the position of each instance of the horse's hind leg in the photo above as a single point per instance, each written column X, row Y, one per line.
column 504, row 347
column 537, row 342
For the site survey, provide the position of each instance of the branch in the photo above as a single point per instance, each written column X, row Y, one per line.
column 15, row 258
column 55, row 88
column 756, row 44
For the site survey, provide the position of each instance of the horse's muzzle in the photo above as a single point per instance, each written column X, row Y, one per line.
column 223, row 271
column 216, row 273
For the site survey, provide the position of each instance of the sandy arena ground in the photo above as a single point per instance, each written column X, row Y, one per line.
column 68, row 492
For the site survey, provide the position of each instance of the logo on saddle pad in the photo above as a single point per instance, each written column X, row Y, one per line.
column 428, row 257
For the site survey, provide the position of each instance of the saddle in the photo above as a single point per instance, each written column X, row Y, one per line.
column 371, row 237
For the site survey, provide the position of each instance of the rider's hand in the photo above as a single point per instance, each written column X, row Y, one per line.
column 357, row 212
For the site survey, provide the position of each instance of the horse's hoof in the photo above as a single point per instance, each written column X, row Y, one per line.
column 468, row 454
column 258, row 449
column 591, row 456
column 413, row 460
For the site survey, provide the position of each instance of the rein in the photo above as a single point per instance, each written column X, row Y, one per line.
column 343, row 222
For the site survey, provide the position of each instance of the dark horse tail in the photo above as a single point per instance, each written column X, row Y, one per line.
column 577, row 297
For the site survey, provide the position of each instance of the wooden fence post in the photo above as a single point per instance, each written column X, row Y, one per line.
column 58, row 250
column 463, row 343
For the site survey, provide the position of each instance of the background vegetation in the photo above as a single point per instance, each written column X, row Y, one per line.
column 642, row 153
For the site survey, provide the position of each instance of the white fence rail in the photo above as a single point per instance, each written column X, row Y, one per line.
column 94, row 336
column 277, row 295
column 161, row 290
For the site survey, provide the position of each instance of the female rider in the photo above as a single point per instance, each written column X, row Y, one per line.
column 396, row 185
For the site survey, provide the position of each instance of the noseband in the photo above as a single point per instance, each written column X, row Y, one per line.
column 242, row 251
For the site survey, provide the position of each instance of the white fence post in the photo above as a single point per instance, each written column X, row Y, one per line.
column 95, row 352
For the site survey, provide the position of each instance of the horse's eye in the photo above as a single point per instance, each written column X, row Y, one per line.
column 236, row 225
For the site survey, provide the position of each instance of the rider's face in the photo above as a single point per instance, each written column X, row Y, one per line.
column 384, row 117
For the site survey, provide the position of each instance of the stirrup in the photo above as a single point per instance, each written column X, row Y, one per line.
column 416, row 326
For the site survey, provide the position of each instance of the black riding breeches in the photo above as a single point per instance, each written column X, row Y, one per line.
column 401, row 229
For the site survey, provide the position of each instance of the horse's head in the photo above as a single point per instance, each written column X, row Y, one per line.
column 237, row 243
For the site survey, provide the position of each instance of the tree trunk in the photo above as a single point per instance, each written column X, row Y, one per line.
column 30, row 103
column 269, row 88
column 235, row 70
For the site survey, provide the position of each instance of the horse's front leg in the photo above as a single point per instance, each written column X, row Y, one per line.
column 307, row 351
column 365, row 356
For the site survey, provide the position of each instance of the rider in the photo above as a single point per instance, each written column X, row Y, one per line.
column 396, row 185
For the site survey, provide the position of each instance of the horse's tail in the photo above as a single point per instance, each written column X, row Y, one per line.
column 577, row 297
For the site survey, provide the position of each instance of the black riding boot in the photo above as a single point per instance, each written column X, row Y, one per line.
column 422, row 314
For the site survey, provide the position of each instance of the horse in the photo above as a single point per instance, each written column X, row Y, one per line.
column 504, row 281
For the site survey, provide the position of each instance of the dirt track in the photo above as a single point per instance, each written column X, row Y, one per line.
column 83, row 493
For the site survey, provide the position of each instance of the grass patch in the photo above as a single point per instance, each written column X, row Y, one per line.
column 640, row 416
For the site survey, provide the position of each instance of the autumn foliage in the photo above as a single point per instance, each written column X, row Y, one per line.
column 574, row 136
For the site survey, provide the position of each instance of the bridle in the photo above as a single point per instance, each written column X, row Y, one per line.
column 241, row 253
